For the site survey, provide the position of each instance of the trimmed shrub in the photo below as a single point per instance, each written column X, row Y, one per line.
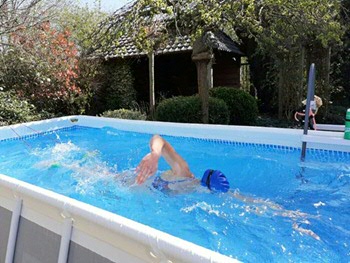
column 218, row 111
column 242, row 106
column 124, row 114
column 117, row 87
column 189, row 110
column 15, row 110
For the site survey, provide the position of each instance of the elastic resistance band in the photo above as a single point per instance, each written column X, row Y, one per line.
column 208, row 179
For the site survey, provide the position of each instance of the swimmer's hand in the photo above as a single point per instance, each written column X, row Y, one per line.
column 147, row 167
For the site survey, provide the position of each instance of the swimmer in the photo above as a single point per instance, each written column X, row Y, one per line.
column 180, row 179
column 180, row 174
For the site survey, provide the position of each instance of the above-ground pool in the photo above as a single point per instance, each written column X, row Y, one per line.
column 279, row 208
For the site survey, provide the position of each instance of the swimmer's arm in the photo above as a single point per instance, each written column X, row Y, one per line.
column 178, row 165
column 149, row 164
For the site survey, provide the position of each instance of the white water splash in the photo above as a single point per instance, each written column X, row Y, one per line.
column 203, row 206
column 63, row 148
column 317, row 205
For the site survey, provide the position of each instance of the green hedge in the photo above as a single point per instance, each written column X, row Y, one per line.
column 117, row 86
column 188, row 110
column 242, row 106
column 124, row 114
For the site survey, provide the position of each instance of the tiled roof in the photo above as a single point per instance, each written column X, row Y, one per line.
column 127, row 48
column 178, row 44
column 225, row 43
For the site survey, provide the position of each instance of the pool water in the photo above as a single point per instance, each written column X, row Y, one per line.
column 279, row 209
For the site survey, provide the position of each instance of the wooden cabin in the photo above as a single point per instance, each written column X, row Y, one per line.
column 175, row 72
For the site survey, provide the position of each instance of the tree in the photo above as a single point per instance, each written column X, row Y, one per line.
column 288, row 32
column 295, row 34
column 81, row 22
column 341, row 60
column 42, row 66
column 22, row 14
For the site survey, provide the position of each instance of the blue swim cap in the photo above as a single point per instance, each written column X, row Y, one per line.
column 215, row 180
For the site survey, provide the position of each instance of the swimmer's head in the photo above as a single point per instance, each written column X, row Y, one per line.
column 215, row 180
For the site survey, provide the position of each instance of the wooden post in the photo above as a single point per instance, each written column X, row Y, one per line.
column 327, row 94
column 152, row 100
column 204, row 68
column 302, row 67
column 210, row 74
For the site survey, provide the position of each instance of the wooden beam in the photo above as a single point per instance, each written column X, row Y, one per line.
column 204, row 70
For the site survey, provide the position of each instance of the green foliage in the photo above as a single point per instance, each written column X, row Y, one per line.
column 42, row 67
column 218, row 111
column 117, row 88
column 276, row 24
column 293, row 34
column 81, row 21
column 15, row 110
column 125, row 114
column 88, row 71
column 340, row 77
column 242, row 106
column 188, row 110
column 285, row 32
column 334, row 115
column 273, row 121
column 280, row 25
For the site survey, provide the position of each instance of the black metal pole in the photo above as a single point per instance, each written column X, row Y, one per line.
column 310, row 97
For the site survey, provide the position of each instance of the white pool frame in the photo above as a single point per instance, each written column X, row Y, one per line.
column 108, row 237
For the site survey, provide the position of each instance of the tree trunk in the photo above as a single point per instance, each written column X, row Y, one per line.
column 280, row 89
column 302, row 75
column 151, row 84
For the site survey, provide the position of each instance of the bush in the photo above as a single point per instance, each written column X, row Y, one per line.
column 42, row 67
column 242, row 106
column 124, row 114
column 117, row 86
column 335, row 115
column 14, row 110
column 189, row 110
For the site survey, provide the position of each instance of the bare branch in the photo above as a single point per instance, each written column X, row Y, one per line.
column 23, row 14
